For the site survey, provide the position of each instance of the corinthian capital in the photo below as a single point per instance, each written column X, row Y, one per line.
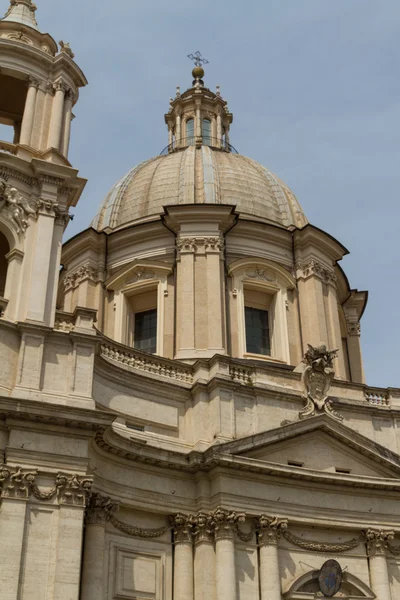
column 377, row 541
column 203, row 529
column 182, row 526
column 270, row 529
column 100, row 509
column 226, row 522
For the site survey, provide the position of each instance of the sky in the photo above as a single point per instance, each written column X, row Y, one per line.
column 314, row 89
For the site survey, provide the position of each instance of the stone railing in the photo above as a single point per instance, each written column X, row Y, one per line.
column 377, row 397
column 8, row 147
column 241, row 374
column 149, row 363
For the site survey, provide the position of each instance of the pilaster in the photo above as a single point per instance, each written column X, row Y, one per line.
column 269, row 531
column 204, row 557
column 225, row 527
column 183, row 558
column 377, row 541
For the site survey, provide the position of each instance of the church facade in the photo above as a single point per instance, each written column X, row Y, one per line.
column 183, row 408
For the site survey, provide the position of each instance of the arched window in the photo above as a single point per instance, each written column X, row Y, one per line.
column 190, row 132
column 4, row 250
column 206, row 132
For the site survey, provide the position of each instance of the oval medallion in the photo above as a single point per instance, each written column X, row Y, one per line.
column 330, row 578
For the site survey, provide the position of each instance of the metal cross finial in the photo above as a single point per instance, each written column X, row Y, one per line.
column 199, row 61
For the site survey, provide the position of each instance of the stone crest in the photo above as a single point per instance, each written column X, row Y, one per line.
column 317, row 379
column 330, row 578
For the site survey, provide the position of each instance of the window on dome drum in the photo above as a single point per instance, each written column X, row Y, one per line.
column 190, row 132
column 4, row 250
column 146, row 331
column 142, row 321
column 206, row 132
column 257, row 322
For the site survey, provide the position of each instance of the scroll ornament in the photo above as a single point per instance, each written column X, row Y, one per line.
column 15, row 206
column 317, row 379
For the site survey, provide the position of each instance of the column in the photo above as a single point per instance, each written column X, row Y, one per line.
column 335, row 336
column 68, row 116
column 312, row 306
column 219, row 128
column 225, row 527
column 14, row 494
column 183, row 558
column 57, row 115
column 204, row 558
column 99, row 511
column 198, row 120
column 377, row 541
column 72, row 498
column 29, row 112
column 185, row 297
column 215, row 299
column 269, row 531
column 170, row 136
column 354, row 350
column 178, row 129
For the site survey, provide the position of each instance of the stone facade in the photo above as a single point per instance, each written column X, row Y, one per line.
column 202, row 470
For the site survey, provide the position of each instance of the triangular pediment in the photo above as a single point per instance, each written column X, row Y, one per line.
column 318, row 444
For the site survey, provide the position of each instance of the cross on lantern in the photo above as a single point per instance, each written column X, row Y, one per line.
column 199, row 61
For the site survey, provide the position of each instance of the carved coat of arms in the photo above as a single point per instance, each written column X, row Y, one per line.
column 317, row 379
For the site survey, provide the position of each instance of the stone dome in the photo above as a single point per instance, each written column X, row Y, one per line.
column 199, row 176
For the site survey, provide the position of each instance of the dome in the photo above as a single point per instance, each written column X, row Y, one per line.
column 199, row 176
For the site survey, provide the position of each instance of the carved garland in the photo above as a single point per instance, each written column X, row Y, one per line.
column 138, row 531
column 315, row 546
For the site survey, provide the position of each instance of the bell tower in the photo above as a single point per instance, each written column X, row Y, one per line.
column 39, row 82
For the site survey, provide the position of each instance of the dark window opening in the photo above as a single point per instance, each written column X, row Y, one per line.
column 146, row 331
column 345, row 471
column 4, row 250
column 206, row 132
column 295, row 463
column 135, row 427
column 257, row 331
column 190, row 132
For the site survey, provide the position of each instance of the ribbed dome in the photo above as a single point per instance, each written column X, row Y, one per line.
column 199, row 176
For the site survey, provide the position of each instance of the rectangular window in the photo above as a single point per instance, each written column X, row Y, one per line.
column 257, row 331
column 146, row 331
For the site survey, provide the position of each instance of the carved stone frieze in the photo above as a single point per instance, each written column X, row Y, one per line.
column 74, row 279
column 140, row 275
column 377, row 541
column 317, row 379
column 270, row 529
column 14, row 483
column 14, row 206
column 259, row 274
column 100, row 509
column 314, row 268
column 49, row 207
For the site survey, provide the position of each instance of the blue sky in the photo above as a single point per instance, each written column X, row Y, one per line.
column 314, row 89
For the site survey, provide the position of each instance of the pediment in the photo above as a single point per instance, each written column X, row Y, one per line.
column 318, row 444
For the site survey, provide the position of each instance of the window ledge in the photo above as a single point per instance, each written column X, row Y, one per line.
column 264, row 357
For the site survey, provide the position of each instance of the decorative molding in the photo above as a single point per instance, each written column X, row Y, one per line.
column 100, row 509
column 47, row 207
column 377, row 541
column 14, row 206
column 260, row 274
column 313, row 268
column 141, row 275
column 317, row 379
column 212, row 244
column 140, row 532
column 6, row 173
column 270, row 529
column 315, row 546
